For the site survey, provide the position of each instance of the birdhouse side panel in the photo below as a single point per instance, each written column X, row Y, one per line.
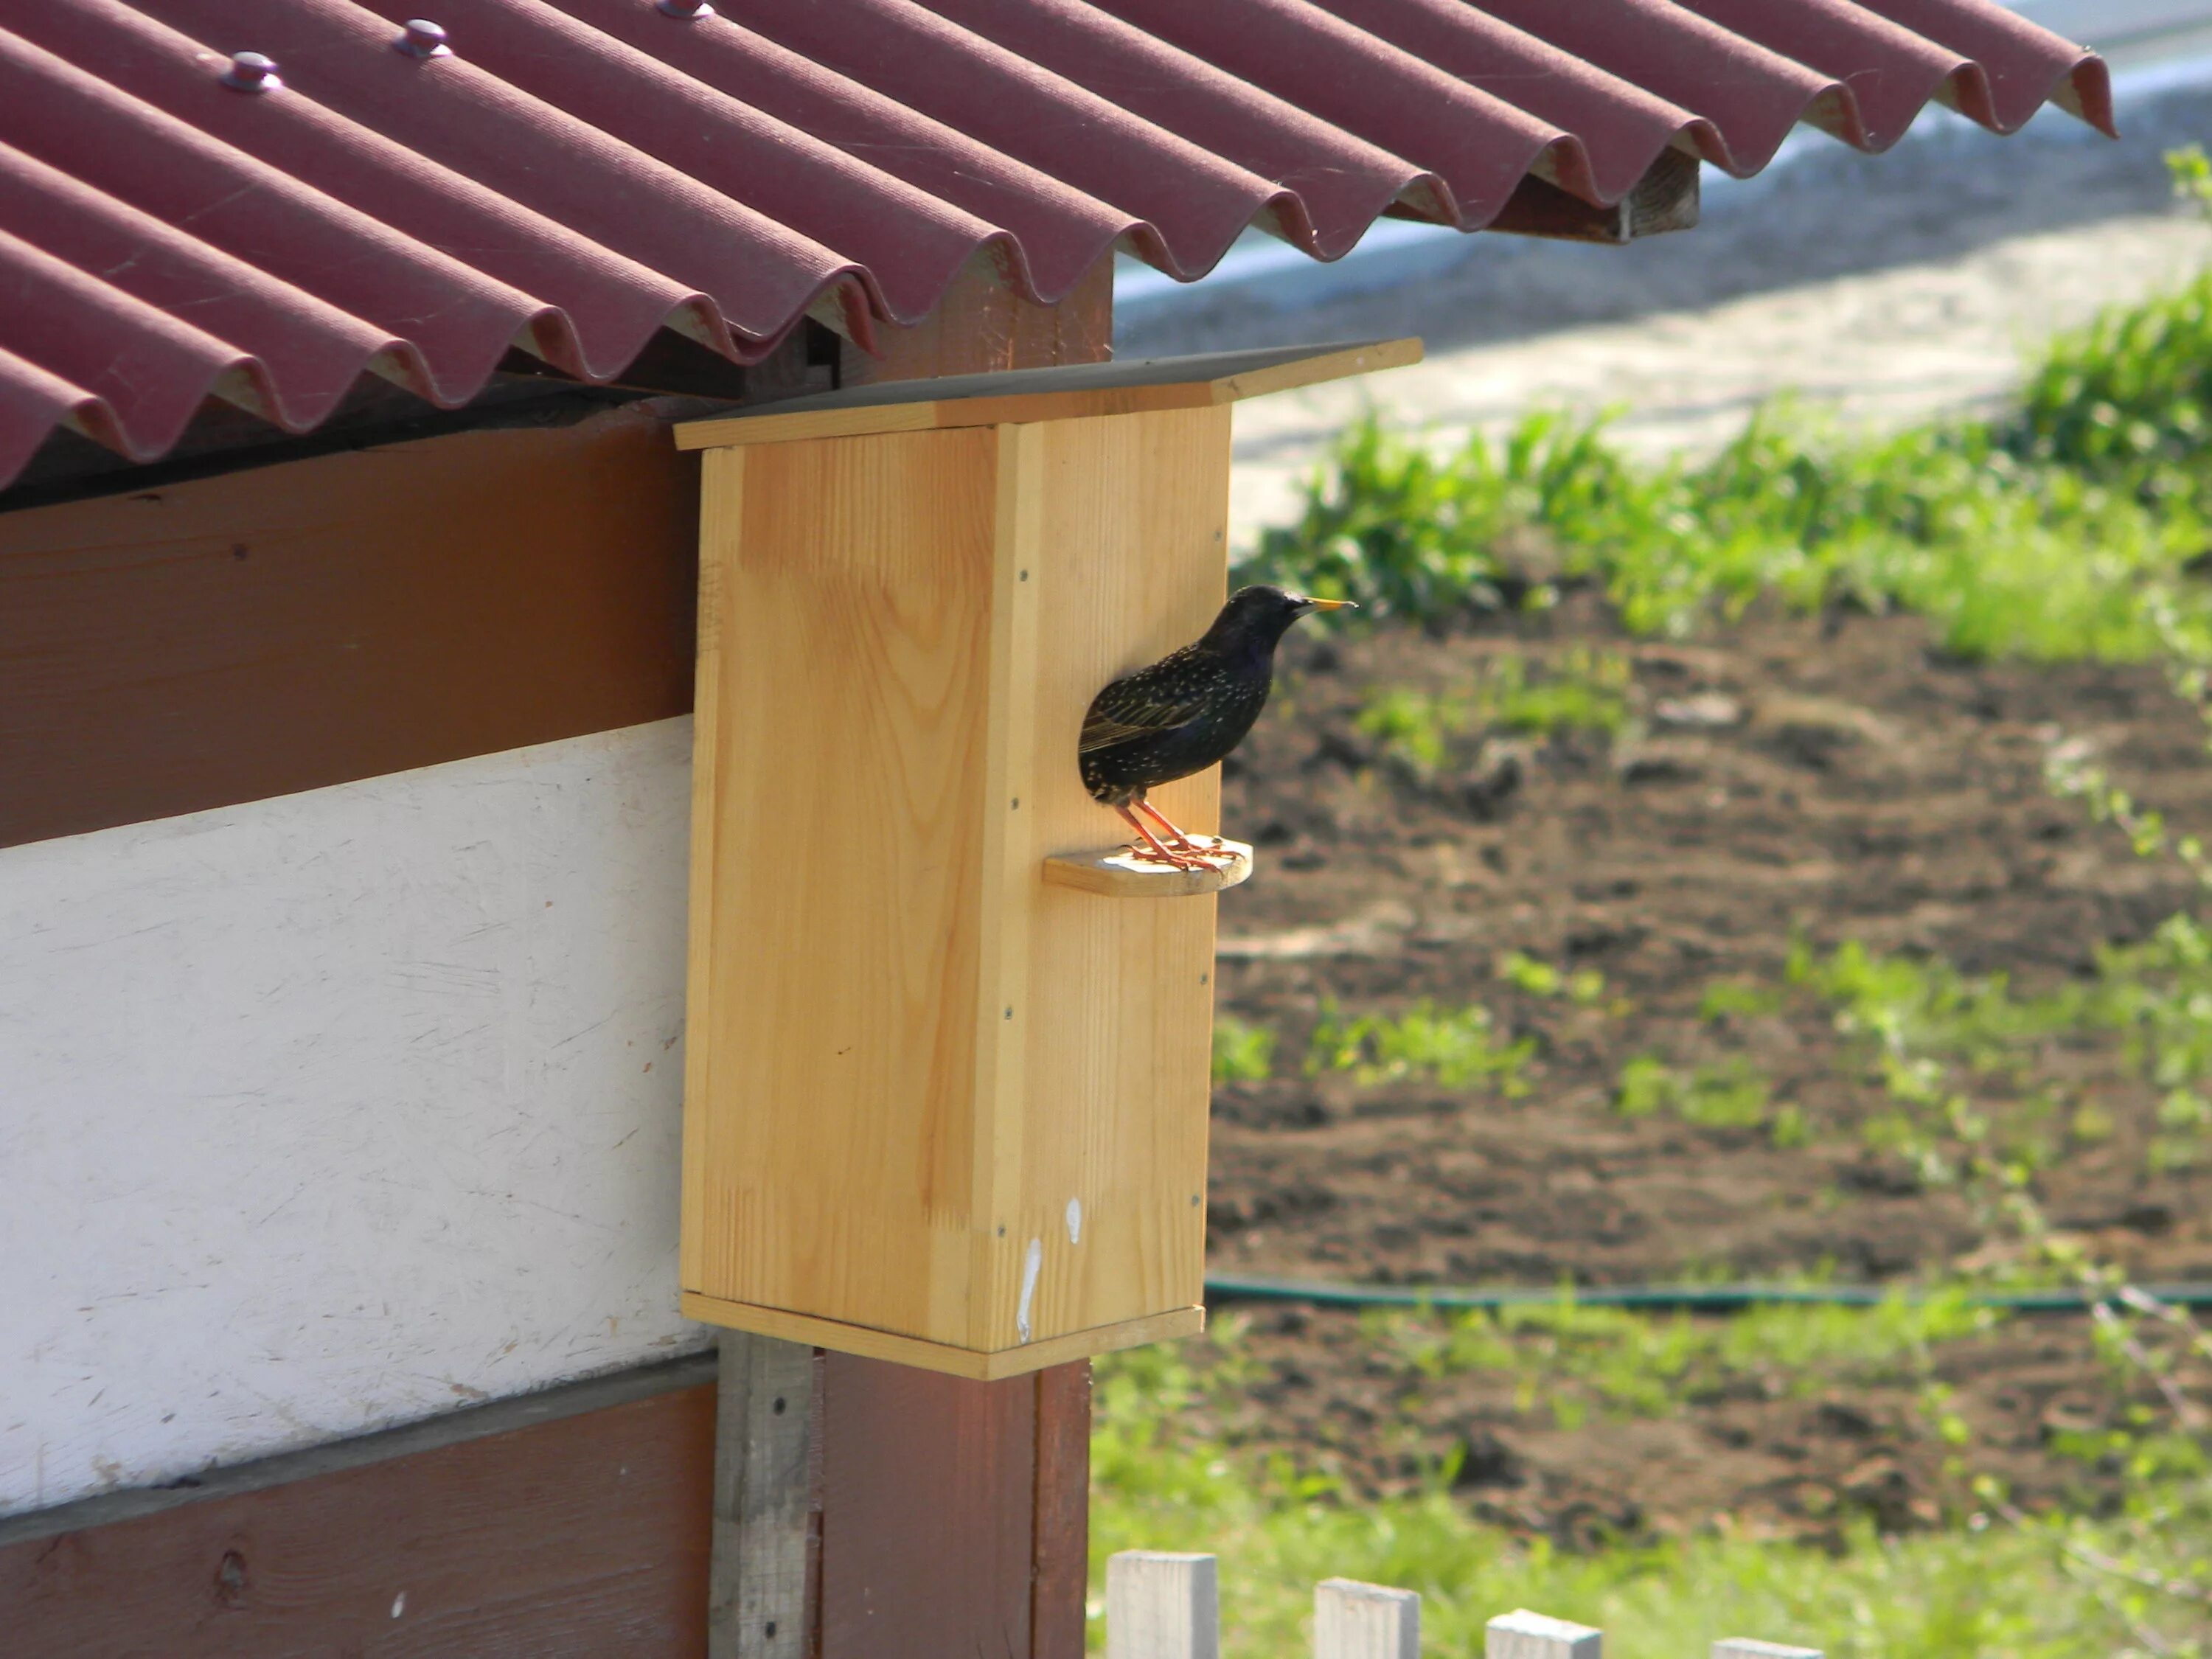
column 845, row 693
column 1132, row 563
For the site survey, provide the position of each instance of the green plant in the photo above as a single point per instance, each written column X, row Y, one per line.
column 1414, row 727
column 1731, row 1094
column 1981, row 526
column 1584, row 691
column 1725, row 998
column 1243, row 1052
column 1584, row 986
column 1456, row 1047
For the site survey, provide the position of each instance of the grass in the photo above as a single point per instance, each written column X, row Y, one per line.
column 1628, row 1364
column 1161, row 1482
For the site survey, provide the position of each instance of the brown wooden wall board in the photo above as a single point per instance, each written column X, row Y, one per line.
column 213, row 639
column 264, row 632
column 582, row 1538
column 956, row 1513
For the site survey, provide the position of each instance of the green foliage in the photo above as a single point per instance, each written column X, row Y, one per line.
column 1930, row 1030
column 1726, row 997
column 2056, row 531
column 1585, row 690
column 2126, row 400
column 1163, row 1479
column 1731, row 1094
column 1643, row 1364
column 1458, row 1047
column 1243, row 1052
column 1585, row 987
column 1581, row 691
column 1414, row 727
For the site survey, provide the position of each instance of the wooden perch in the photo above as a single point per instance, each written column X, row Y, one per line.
column 1121, row 873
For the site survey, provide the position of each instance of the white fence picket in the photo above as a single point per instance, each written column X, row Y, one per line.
column 1353, row 1620
column 1162, row 1605
column 1521, row 1634
column 1742, row 1647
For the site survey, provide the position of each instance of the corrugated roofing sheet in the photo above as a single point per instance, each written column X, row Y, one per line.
column 568, row 176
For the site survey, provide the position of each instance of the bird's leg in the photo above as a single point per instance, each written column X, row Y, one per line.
column 1175, row 837
column 1180, row 860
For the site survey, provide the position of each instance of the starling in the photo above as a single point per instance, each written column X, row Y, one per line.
column 1186, row 712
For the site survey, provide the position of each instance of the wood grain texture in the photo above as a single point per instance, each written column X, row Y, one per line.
column 931, row 1099
column 1353, row 1620
column 1138, row 385
column 767, row 1543
column 982, row 1365
column 264, row 632
column 1163, row 1605
column 1113, row 1111
column 1117, row 873
column 844, row 759
column 1521, row 1634
column 572, row 1540
column 928, row 1525
column 1061, row 1565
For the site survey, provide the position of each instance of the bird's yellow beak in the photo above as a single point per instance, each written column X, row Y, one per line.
column 1331, row 605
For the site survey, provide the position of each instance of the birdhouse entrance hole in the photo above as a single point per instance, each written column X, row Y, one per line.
column 920, row 1036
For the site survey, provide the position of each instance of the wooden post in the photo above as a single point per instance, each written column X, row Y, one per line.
column 1353, row 1620
column 1160, row 1606
column 1521, row 1634
column 1742, row 1647
column 760, row 1591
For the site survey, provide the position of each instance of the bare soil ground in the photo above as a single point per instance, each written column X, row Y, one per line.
column 1829, row 779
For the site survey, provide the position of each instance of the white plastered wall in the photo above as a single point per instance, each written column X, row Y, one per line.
column 330, row 1112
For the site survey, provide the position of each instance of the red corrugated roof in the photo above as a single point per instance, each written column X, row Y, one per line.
column 575, row 174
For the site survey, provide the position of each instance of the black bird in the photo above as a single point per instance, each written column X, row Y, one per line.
column 1186, row 711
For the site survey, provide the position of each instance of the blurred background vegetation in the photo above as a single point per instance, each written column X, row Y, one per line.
column 2070, row 525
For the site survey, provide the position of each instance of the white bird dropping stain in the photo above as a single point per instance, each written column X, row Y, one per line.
column 400, row 1604
column 1032, row 1264
column 1075, row 1221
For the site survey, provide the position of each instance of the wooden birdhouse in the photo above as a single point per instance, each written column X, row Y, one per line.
column 947, row 1078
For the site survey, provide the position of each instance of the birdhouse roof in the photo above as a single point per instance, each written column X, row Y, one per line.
column 1126, row 386
column 261, row 201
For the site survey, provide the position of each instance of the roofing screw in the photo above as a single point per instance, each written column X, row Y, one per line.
column 250, row 71
column 688, row 10
column 422, row 40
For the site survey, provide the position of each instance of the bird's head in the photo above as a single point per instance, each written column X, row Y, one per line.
column 1263, row 612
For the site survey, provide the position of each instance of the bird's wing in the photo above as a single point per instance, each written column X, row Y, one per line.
column 1131, row 708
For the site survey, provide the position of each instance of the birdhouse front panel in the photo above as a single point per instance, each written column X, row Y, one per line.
column 844, row 701
column 941, row 1107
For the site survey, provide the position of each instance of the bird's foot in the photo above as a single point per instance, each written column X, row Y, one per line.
column 1194, row 860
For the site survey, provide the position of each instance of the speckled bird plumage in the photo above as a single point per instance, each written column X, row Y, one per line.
column 1188, row 710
